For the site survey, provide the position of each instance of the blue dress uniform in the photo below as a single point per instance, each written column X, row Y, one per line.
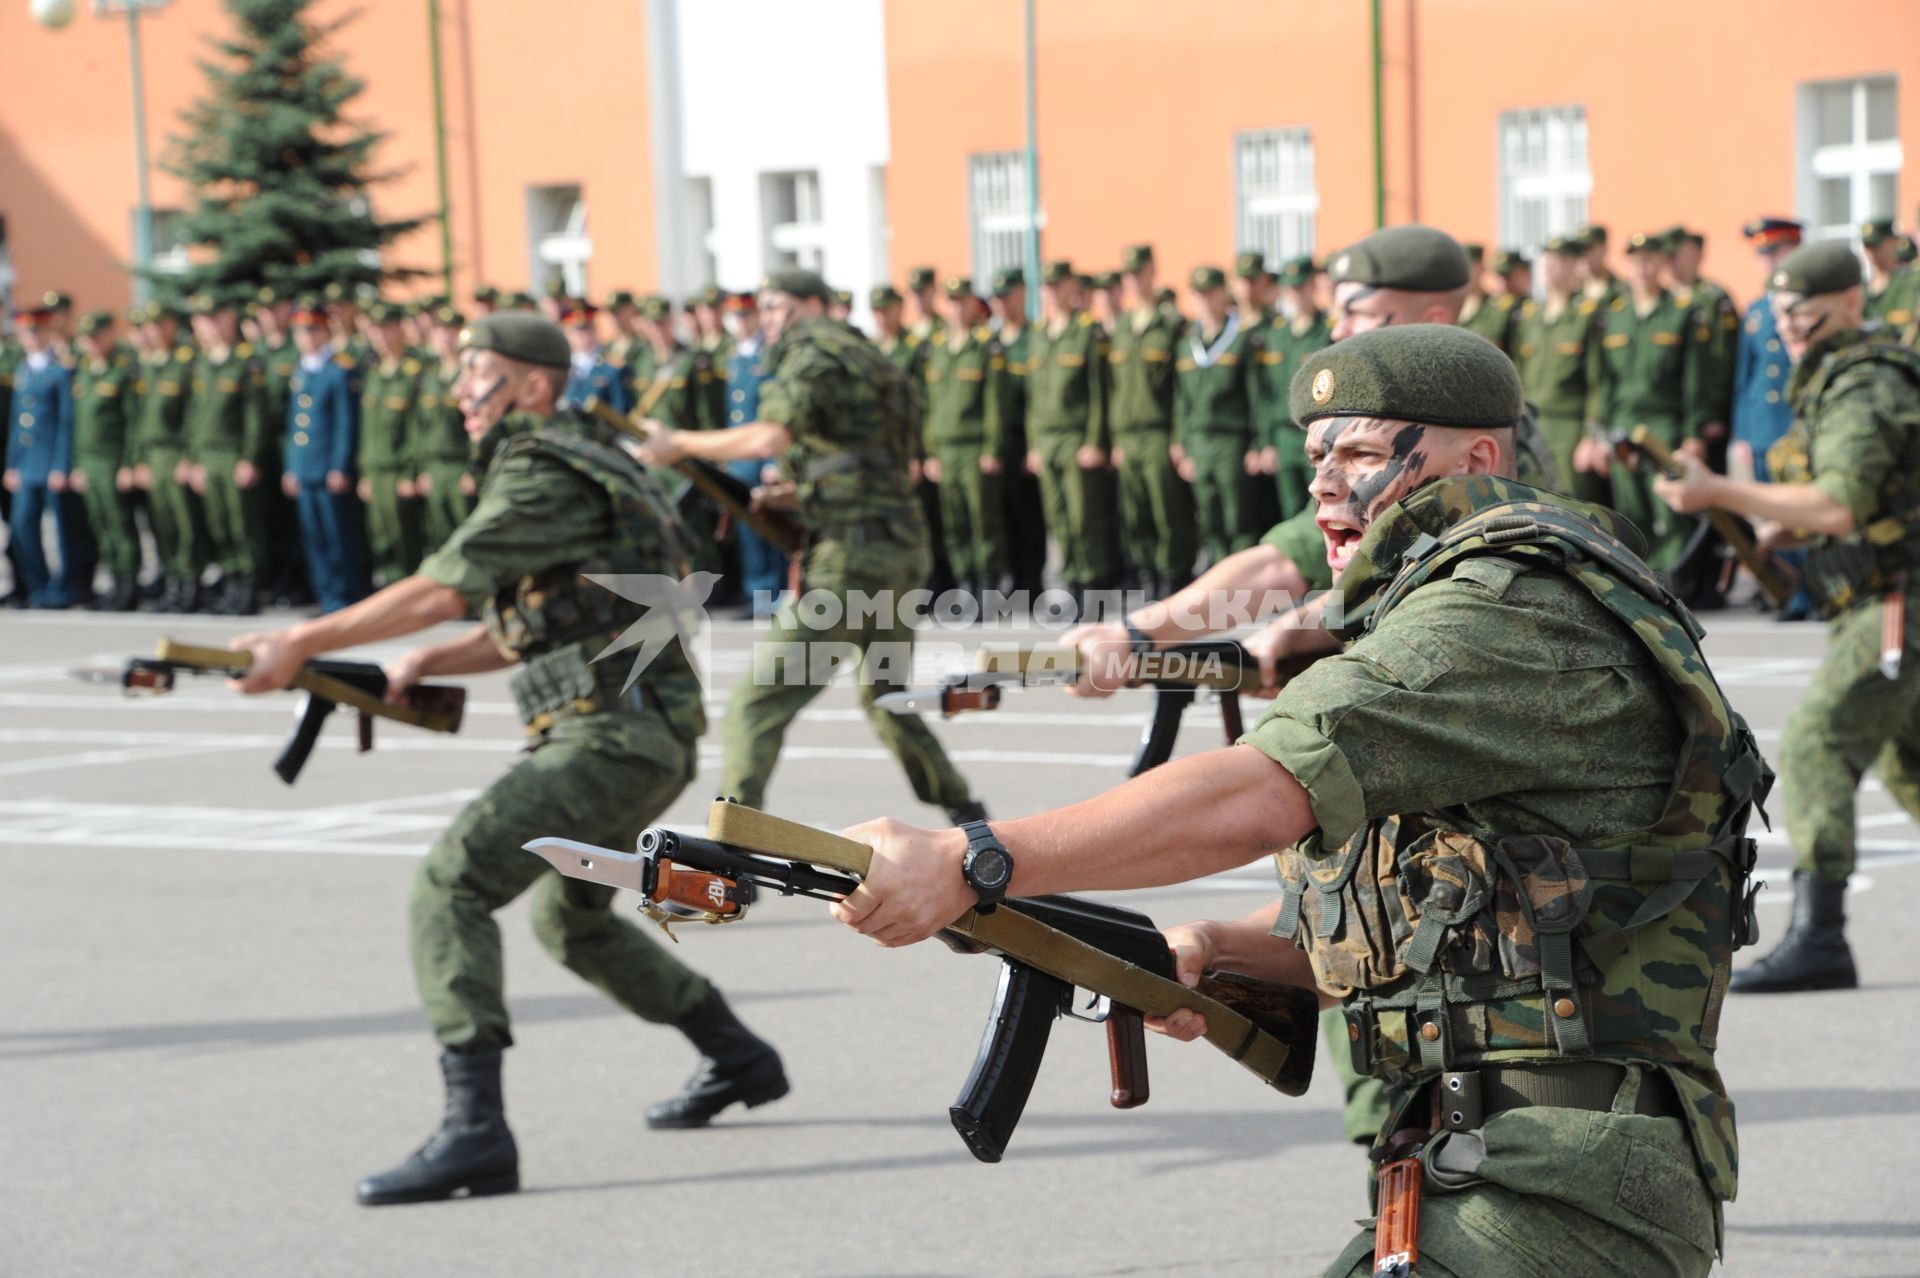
column 39, row 446
column 323, row 435
column 1761, row 413
column 596, row 378
column 762, row 565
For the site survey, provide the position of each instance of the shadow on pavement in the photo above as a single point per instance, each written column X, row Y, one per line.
column 272, row 1033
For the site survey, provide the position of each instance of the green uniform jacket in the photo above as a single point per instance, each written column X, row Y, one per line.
column 280, row 363
column 442, row 434
column 1898, row 303
column 1491, row 318
column 103, row 416
column 1286, row 343
column 1217, row 382
column 1067, row 382
column 1717, row 311
column 226, row 416
column 965, row 394
column 165, row 386
column 389, row 403
column 1653, row 369
column 1559, row 358
column 1013, row 422
column 1140, row 356
column 680, row 392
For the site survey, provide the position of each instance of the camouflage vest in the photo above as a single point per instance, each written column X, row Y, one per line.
column 863, row 471
column 1459, row 948
column 557, row 622
column 1843, row 571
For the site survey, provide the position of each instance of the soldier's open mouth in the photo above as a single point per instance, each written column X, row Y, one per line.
column 1341, row 540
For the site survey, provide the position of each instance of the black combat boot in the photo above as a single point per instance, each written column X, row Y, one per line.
column 473, row 1152
column 124, row 597
column 735, row 1065
column 244, row 600
column 971, row 810
column 1813, row 955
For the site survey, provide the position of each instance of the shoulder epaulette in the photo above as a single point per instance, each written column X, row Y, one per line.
column 913, row 339
column 1527, row 309
column 1588, row 306
column 244, row 350
column 1086, row 319
column 343, row 359
column 1505, row 301
column 1617, row 304
column 410, row 366
column 183, row 352
column 981, row 333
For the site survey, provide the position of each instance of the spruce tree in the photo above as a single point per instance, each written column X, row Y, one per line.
column 280, row 173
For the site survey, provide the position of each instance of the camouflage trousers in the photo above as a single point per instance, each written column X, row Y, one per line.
column 1852, row 718
column 1565, row 1193
column 803, row 648
column 597, row 778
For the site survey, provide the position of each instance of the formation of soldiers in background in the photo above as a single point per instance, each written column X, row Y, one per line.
column 310, row 448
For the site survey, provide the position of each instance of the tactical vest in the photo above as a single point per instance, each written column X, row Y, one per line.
column 1458, row 948
column 840, row 483
column 1841, row 572
column 557, row 622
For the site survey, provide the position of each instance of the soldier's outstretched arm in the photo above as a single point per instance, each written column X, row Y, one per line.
column 1805, row 507
column 400, row 609
column 754, row 441
column 474, row 652
column 1245, row 945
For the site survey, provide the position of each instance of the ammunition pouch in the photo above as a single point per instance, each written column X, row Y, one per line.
column 1841, row 572
column 563, row 684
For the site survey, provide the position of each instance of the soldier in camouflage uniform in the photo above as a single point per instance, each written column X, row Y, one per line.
column 1523, row 878
column 965, row 381
column 389, row 405
column 165, row 388
column 226, row 430
column 102, row 474
column 1067, row 438
column 1844, row 476
column 841, row 419
column 1217, row 385
column 1156, row 506
column 446, row 482
column 609, row 748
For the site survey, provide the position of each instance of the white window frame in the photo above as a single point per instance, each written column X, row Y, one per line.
column 700, row 216
column 168, row 259
column 561, row 241
column 1544, row 166
column 1276, row 195
column 998, row 213
column 1858, row 160
column 803, row 241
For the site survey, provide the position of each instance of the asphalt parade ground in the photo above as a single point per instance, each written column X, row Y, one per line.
column 208, row 1029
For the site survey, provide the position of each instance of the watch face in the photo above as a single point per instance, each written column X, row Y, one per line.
column 991, row 868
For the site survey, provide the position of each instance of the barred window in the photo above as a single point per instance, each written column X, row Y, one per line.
column 1275, row 194
column 997, row 212
column 1545, row 180
column 561, row 248
column 1850, row 154
column 796, row 230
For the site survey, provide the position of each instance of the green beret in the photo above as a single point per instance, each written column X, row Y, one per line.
column 1207, row 278
column 1106, row 279
column 797, row 281
column 1058, row 271
column 1876, row 232
column 1438, row 374
column 958, row 286
column 1507, row 261
column 1298, row 272
column 655, row 307
column 94, row 322
column 1007, row 279
column 1136, row 257
column 1251, row 265
column 920, row 278
column 1827, row 267
column 1475, row 252
column 1415, row 258
column 521, row 335
column 881, row 296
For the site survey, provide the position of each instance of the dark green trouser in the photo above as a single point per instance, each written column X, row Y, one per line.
column 1560, row 1193
column 1026, row 522
column 1222, row 493
column 1156, row 506
column 1292, row 475
column 393, row 526
column 1633, row 496
column 1080, row 511
column 1852, row 718
column 972, row 515
column 445, row 507
column 600, row 779
column 234, row 523
column 794, row 660
column 1563, row 435
column 110, row 514
column 177, row 523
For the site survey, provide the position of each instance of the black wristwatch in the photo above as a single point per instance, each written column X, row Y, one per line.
column 988, row 866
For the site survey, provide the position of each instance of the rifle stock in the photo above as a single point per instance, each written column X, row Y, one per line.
column 780, row 528
column 1776, row 580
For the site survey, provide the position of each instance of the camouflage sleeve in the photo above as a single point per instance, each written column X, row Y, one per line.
column 793, row 397
column 1854, row 444
column 1448, row 702
column 535, row 513
column 1299, row 539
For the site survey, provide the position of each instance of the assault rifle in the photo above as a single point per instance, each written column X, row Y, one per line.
column 1177, row 675
column 325, row 684
column 1640, row 448
column 1050, row 945
column 781, row 528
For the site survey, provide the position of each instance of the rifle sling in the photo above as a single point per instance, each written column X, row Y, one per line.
column 1019, row 936
column 320, row 685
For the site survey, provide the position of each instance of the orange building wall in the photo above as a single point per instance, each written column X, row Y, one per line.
column 528, row 103
column 1690, row 109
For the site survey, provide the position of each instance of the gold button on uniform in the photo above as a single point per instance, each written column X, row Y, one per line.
column 1429, row 1031
column 1563, row 1008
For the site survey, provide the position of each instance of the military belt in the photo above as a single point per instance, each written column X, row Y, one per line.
column 1467, row 1098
